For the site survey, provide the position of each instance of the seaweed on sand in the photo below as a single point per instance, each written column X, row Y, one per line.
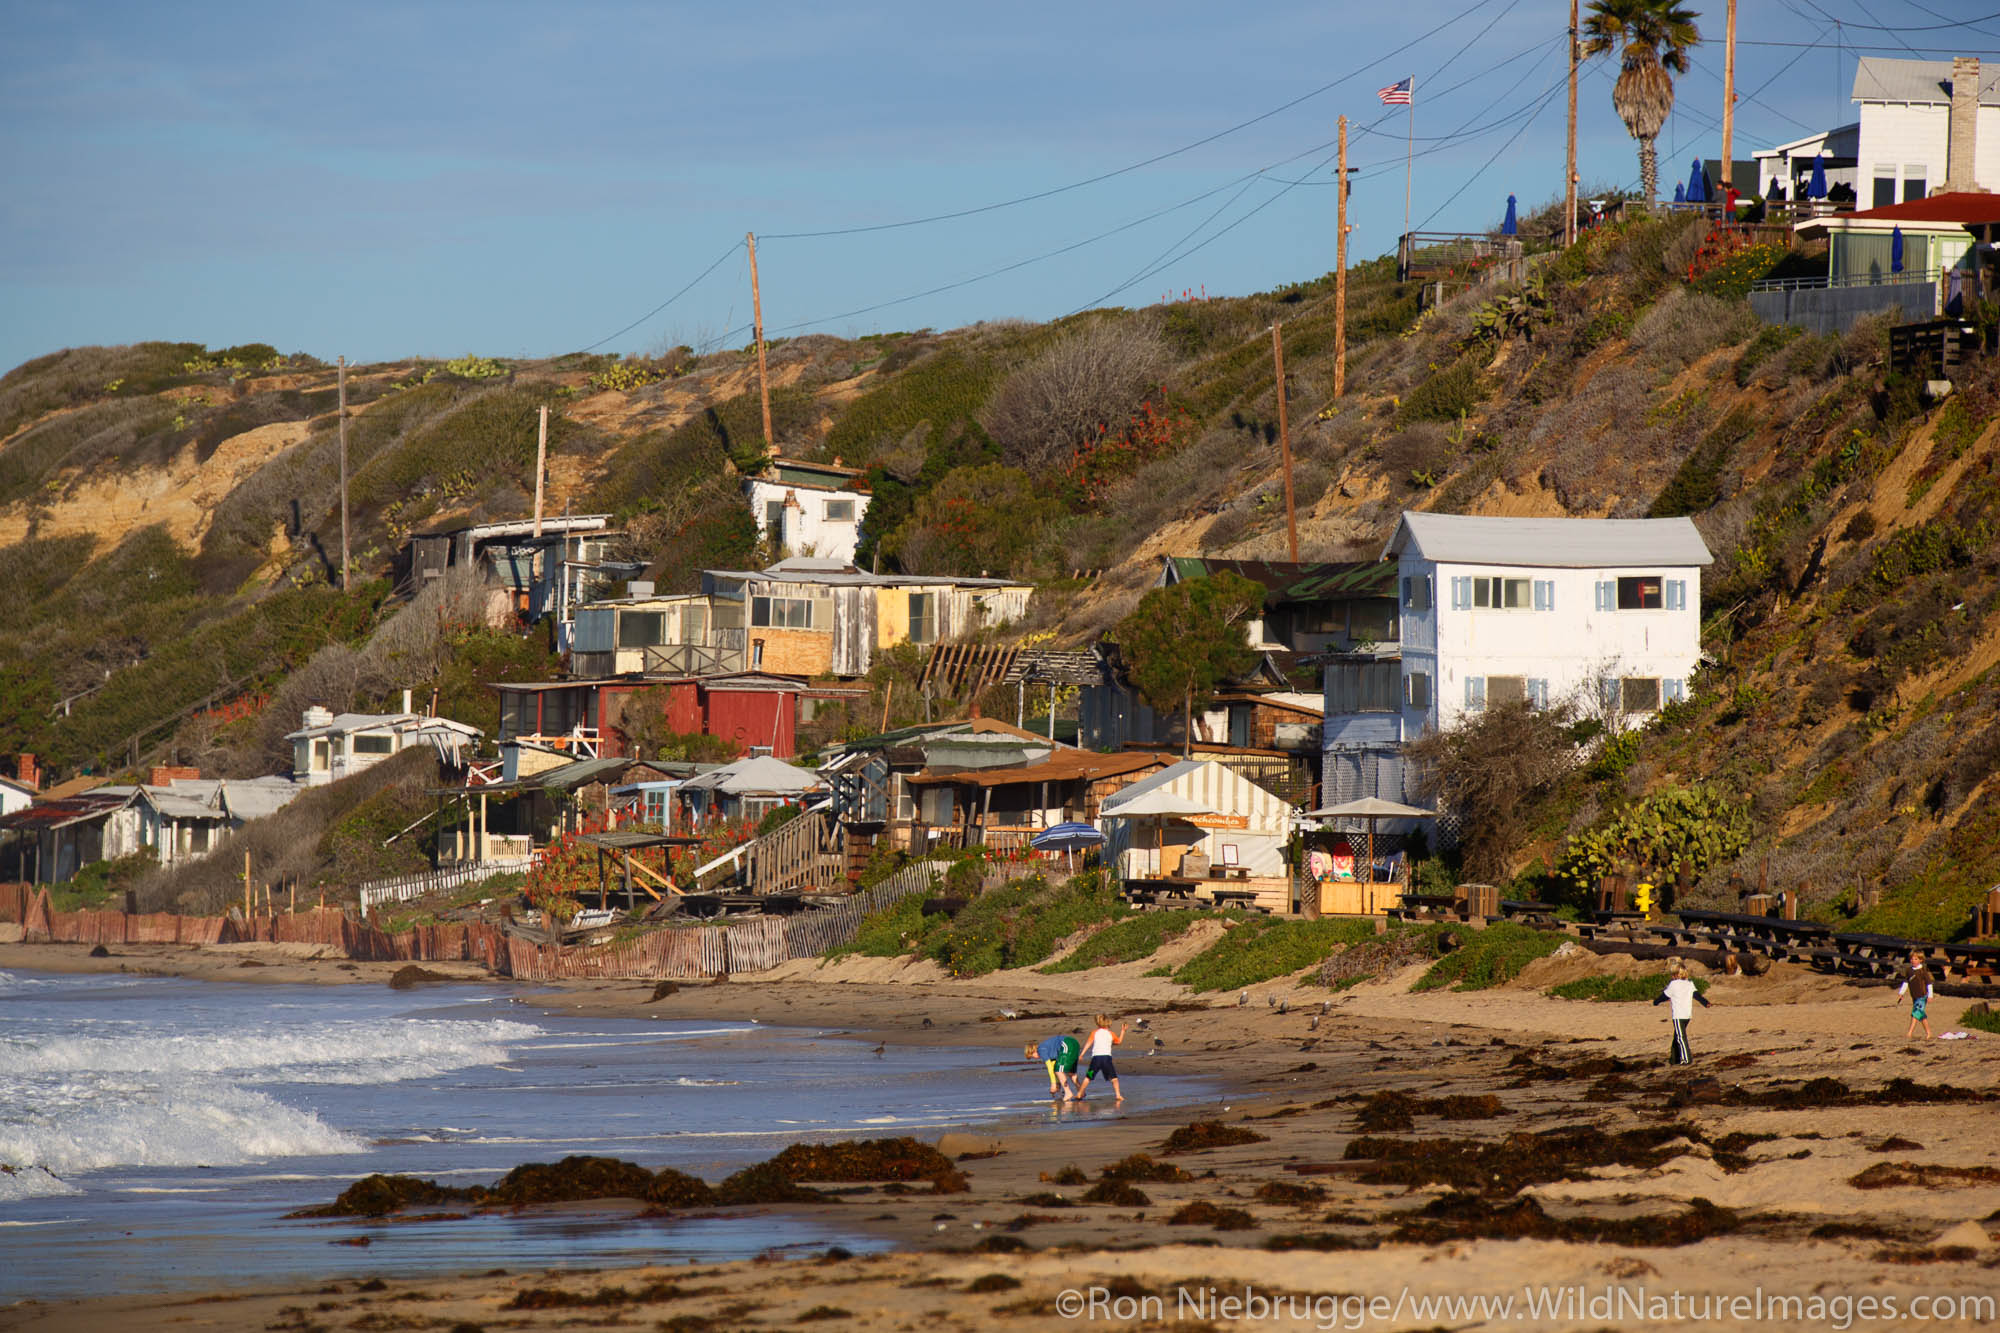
column 1505, row 1166
column 1208, row 1134
column 1205, row 1214
column 379, row 1195
column 1462, row 1216
column 1139, row 1166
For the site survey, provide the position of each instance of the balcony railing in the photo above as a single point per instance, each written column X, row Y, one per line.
column 1824, row 282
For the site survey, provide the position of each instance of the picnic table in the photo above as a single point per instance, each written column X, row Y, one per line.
column 1876, row 955
column 1974, row 962
column 1519, row 909
column 1424, row 907
column 1236, row 898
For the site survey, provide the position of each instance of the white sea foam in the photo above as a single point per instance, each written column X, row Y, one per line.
column 340, row 1052
column 72, row 1127
column 32, row 1182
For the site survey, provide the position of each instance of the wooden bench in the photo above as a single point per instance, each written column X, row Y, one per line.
column 1244, row 898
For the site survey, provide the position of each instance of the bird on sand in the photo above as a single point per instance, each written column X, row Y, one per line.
column 1314, row 1025
column 1141, row 1024
column 928, row 1023
column 1242, row 999
column 1284, row 1006
column 882, row 1049
column 1271, row 1001
column 1009, row 1013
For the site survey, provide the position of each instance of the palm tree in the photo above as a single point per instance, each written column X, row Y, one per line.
column 1656, row 35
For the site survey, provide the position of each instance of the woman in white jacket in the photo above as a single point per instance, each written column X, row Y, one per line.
column 1681, row 995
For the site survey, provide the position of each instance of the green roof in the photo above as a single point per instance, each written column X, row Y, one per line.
column 1298, row 581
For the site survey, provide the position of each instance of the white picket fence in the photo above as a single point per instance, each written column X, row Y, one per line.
column 402, row 890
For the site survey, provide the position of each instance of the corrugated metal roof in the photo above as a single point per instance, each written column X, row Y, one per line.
column 1297, row 581
column 1883, row 79
column 1549, row 543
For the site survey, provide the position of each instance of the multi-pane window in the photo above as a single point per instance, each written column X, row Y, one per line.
column 1502, row 594
column 1417, row 592
column 923, row 617
column 840, row 511
column 641, row 629
column 1498, row 691
column 1504, row 690
column 1639, row 694
column 374, row 745
column 1642, row 592
column 781, row 612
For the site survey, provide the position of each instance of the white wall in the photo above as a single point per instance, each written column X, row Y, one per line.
column 1571, row 644
column 807, row 529
column 1904, row 136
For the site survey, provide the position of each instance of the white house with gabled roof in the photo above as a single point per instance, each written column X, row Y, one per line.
column 1605, row 613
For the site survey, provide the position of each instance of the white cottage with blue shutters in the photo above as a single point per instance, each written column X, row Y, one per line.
column 1601, row 613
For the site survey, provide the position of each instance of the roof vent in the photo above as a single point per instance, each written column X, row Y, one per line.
column 639, row 588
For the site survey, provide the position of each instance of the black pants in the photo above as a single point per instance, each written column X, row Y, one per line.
column 1678, row 1053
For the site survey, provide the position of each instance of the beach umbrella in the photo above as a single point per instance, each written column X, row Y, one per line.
column 1896, row 250
column 1067, row 837
column 1816, row 188
column 1511, row 226
column 1370, row 808
column 1680, row 193
column 1159, row 803
column 1697, row 184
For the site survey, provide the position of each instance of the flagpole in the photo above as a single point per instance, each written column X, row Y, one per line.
column 1410, row 163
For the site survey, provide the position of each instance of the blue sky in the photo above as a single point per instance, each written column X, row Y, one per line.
column 384, row 180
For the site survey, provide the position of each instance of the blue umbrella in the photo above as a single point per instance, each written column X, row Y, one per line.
column 1511, row 226
column 1680, row 193
column 1896, row 250
column 1816, row 188
column 1697, row 185
column 1067, row 837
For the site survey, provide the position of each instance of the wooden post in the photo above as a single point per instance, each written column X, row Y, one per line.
column 1569, row 160
column 1729, row 99
column 541, row 462
column 246, row 886
column 757, row 318
column 343, row 479
column 1340, row 273
column 1284, row 442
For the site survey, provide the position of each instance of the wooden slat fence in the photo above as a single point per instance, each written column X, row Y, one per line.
column 407, row 887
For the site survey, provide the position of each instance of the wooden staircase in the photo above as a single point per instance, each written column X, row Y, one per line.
column 806, row 855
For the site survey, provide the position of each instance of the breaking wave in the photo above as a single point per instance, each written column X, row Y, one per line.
column 339, row 1052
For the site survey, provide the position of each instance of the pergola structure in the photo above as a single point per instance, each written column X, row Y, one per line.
column 622, row 843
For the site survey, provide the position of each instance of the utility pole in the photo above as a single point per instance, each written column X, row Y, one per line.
column 343, row 506
column 757, row 316
column 1569, row 166
column 541, row 462
column 1285, row 439
column 1729, row 99
column 1339, row 283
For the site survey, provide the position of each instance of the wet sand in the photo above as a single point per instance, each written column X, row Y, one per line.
column 1774, row 1155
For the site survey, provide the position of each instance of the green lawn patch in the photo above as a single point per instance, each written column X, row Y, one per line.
column 1617, row 989
column 1982, row 1017
column 1125, row 941
column 1259, row 948
column 1489, row 957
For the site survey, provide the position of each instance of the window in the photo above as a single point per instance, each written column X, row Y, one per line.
column 781, row 612
column 1361, row 687
column 774, row 516
column 322, row 753
column 1417, row 689
column 1885, row 187
column 656, row 808
column 1504, row 690
column 1500, row 594
column 840, row 511
column 1914, row 184
column 923, row 617
column 374, row 745
column 641, row 629
column 1644, row 592
column 1372, row 621
column 1417, row 592
column 1639, row 694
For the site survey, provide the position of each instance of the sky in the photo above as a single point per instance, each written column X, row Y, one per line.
column 383, row 180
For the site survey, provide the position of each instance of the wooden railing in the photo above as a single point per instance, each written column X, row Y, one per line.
column 805, row 854
column 406, row 887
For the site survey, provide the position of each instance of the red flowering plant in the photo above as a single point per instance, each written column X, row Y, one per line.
column 1155, row 430
column 569, row 868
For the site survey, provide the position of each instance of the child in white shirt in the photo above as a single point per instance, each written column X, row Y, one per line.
column 1099, row 1047
column 1680, row 995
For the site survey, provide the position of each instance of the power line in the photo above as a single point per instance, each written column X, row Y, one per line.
column 1889, row 28
column 1136, row 166
column 670, row 300
column 1547, row 97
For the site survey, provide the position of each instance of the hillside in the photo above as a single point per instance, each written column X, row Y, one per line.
column 169, row 512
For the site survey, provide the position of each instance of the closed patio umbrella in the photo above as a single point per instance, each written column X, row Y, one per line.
column 1816, row 188
column 1680, row 193
column 1896, row 250
column 1697, row 184
column 1511, row 226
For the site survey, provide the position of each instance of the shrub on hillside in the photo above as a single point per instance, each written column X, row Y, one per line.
column 1684, row 326
column 1695, row 827
column 978, row 520
column 1498, row 771
column 1090, row 380
column 1449, row 393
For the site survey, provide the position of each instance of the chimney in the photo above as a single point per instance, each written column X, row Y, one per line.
column 317, row 717
column 162, row 774
column 1962, row 136
column 406, row 701
column 27, row 773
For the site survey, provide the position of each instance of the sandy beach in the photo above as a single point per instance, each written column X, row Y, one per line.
column 1408, row 1149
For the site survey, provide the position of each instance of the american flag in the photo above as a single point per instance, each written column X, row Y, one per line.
column 1398, row 94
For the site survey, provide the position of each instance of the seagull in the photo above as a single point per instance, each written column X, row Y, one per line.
column 928, row 1023
column 1159, row 1045
column 1141, row 1024
column 1009, row 1013
column 1325, row 1006
column 1284, row 1006
column 1243, row 999
column 1314, row 1025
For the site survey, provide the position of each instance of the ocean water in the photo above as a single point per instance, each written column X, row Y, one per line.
column 154, row 1132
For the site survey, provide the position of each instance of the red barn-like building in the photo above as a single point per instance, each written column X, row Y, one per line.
column 752, row 711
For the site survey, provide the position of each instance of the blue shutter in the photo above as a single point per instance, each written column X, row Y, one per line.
column 1475, row 692
column 1676, row 595
column 1461, row 592
column 1545, row 594
column 1607, row 596
column 1409, row 600
column 1607, row 690
column 1538, row 693
column 1673, row 691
